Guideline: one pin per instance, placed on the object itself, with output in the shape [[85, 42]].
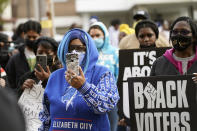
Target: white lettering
[[160, 96], [181, 91], [158, 120], [149, 122], [127, 73], [140, 121], [165, 121], [174, 120], [138, 96], [171, 100], [152, 57], [184, 118]]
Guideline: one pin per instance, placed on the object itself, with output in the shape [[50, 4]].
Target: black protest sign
[[163, 103], [135, 63], [138, 62]]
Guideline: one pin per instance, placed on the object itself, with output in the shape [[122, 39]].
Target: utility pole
[[28, 9], [36, 10]]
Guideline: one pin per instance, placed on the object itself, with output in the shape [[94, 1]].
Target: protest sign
[[162, 103], [134, 63], [31, 104]]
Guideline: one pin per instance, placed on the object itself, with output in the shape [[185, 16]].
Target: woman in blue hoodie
[[79, 102], [108, 57]]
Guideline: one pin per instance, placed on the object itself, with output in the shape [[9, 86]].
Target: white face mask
[[81, 57]]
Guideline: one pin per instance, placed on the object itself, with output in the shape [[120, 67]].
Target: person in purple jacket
[[79, 102], [182, 58]]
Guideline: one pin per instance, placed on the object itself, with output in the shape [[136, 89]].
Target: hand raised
[[75, 80], [42, 74]]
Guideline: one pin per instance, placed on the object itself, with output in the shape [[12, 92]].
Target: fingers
[[48, 70], [195, 74], [73, 79], [40, 68], [28, 83], [194, 78], [71, 72], [38, 74], [81, 72], [122, 122], [42, 74], [69, 77], [2, 82]]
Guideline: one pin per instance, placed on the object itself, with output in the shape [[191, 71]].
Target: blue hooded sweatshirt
[[108, 54], [68, 109]]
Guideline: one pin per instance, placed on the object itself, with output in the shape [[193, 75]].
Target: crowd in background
[[18, 55]]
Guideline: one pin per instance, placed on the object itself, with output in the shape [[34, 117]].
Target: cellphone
[[72, 62], [42, 60]]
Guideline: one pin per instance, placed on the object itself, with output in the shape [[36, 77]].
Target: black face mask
[[147, 46], [181, 42], [53, 63], [4, 57], [31, 44], [49, 60]]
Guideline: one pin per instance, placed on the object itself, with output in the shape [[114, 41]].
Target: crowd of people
[[90, 96]]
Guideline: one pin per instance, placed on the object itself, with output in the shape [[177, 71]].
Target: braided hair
[[145, 24]]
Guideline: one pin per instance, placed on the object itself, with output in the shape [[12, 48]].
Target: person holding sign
[[182, 58], [147, 34], [81, 100]]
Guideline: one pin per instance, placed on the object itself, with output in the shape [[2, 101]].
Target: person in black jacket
[[25, 60], [46, 46]]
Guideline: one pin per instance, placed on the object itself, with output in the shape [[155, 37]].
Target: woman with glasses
[[81, 101], [182, 58]]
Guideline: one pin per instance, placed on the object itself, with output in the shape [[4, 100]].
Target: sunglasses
[[182, 32], [79, 48]]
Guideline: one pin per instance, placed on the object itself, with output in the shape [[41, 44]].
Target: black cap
[[141, 14]]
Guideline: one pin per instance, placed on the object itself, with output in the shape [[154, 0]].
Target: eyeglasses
[[80, 48], [182, 32]]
